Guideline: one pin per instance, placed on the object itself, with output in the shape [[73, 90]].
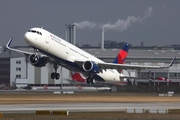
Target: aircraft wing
[[126, 66]]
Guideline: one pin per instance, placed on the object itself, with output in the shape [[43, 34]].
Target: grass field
[[86, 97]]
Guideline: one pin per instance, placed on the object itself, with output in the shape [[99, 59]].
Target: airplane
[[59, 52]]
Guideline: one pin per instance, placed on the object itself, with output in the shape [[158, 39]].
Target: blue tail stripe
[[126, 47], [115, 60]]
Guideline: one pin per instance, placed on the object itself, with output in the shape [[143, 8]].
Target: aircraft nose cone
[[30, 38], [27, 37]]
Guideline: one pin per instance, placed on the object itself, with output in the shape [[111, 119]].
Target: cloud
[[85, 24], [120, 25], [148, 13]]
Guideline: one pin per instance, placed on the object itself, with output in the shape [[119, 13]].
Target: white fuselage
[[57, 48]]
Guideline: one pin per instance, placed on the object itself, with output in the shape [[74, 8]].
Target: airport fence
[[160, 88]]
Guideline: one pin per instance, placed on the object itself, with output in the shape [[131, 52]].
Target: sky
[[155, 22]]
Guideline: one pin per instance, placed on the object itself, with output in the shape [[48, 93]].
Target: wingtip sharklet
[[16, 50], [9, 43]]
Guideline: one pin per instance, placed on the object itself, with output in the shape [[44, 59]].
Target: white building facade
[[21, 69]]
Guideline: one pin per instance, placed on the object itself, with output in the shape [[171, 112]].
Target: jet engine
[[37, 60], [91, 67]]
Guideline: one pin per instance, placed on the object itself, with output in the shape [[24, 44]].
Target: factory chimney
[[70, 33], [102, 39], [66, 32], [74, 34]]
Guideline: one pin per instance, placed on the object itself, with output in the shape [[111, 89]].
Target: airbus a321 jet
[[57, 51]]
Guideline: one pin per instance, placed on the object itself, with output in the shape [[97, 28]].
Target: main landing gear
[[90, 80], [55, 75]]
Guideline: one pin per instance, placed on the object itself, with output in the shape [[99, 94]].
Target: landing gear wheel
[[55, 76], [52, 75], [92, 81], [88, 80]]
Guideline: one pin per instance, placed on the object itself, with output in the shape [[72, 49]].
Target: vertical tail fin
[[120, 59]]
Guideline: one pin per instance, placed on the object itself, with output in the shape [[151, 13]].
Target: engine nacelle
[[91, 67], [37, 60]]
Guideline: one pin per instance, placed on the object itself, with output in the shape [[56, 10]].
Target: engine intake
[[91, 67], [37, 60]]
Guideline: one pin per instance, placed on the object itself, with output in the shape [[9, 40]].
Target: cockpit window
[[34, 31], [39, 33]]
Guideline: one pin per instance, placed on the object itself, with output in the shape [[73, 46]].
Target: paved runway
[[80, 107]]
